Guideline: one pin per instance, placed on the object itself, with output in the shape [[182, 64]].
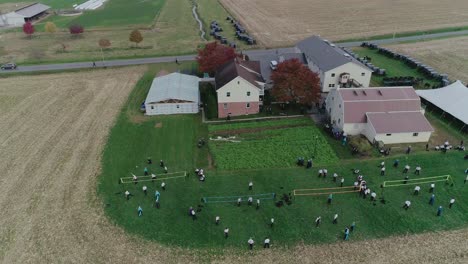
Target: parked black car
[[8, 66]]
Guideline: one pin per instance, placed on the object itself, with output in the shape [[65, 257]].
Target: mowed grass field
[[116, 13], [174, 32], [174, 138], [268, 144], [280, 23], [445, 55], [393, 67]]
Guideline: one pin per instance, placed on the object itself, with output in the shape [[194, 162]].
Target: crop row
[[260, 124]]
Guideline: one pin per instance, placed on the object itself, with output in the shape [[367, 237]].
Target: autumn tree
[[136, 37], [76, 29], [28, 29], [295, 83], [104, 44], [50, 27], [213, 56]]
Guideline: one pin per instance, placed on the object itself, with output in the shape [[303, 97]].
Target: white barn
[[175, 93], [392, 115], [20, 16]]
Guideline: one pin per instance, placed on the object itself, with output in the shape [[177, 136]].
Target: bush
[[362, 145]]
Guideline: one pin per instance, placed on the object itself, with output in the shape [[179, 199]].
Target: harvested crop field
[[280, 23], [448, 55], [53, 129]]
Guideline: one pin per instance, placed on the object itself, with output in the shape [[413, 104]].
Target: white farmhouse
[[389, 114], [175, 93], [239, 88], [335, 67]]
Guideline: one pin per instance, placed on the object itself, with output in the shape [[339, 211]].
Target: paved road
[[251, 53]]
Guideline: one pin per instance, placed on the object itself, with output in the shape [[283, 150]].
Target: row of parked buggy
[[401, 81], [367, 61], [425, 69], [216, 29]]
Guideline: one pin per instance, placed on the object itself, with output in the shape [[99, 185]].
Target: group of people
[[301, 162], [201, 174]]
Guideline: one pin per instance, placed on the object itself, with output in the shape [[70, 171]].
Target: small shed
[[175, 93]]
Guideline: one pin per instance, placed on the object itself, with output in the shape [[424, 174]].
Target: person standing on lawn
[[318, 220]]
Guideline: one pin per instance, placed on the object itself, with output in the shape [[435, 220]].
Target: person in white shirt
[[452, 201], [318, 220], [382, 171], [418, 170], [272, 221], [266, 243], [217, 220], [163, 186], [373, 196], [145, 190], [250, 200], [250, 185], [258, 204], [194, 216], [335, 176], [135, 178], [320, 173], [127, 195], [251, 243], [342, 181], [382, 164], [432, 188], [335, 219], [226, 232], [239, 200], [416, 190], [407, 205], [153, 177], [407, 167], [325, 173]]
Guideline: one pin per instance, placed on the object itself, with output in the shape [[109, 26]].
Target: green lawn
[[392, 66]]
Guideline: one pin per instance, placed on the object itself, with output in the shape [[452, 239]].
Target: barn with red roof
[[389, 114]]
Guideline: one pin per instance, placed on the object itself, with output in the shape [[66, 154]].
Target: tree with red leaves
[[213, 56], [76, 29], [295, 83], [28, 29]]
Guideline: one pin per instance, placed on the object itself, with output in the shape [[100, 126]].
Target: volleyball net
[[159, 177], [326, 191], [433, 179], [234, 198]]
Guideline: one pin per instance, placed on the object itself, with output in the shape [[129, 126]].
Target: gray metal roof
[[32, 10], [325, 55], [265, 60], [176, 86]]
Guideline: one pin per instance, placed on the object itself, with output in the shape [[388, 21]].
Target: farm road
[[251, 53]]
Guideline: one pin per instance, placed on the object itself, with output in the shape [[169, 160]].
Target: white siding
[[335, 108], [354, 128], [397, 138], [171, 108], [11, 19], [238, 89], [353, 69]]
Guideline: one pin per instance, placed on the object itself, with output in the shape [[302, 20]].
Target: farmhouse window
[[331, 85], [152, 107], [339, 105], [228, 94], [363, 74], [339, 120], [238, 82], [388, 135], [248, 93], [415, 134], [178, 106], [332, 75], [225, 106], [247, 105]]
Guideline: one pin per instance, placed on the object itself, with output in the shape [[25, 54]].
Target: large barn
[[391, 115], [20, 16], [175, 93]]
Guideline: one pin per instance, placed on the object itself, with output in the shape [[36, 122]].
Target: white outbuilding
[[175, 93]]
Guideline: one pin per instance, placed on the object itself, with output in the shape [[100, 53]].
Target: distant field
[[175, 32], [268, 144], [445, 55], [279, 23], [52, 3]]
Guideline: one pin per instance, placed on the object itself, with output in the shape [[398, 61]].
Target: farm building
[[336, 68], [390, 115], [20, 16], [239, 88], [175, 93]]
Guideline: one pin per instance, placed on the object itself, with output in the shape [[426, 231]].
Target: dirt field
[[52, 132], [279, 22], [445, 55]]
